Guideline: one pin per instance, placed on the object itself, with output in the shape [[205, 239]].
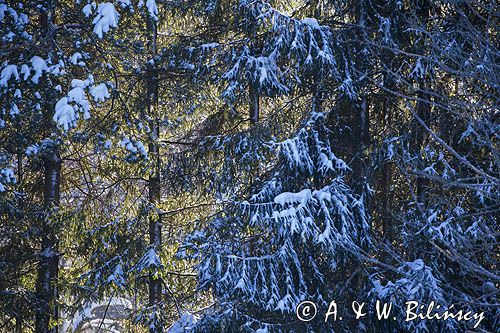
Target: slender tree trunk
[[387, 105], [254, 113], [254, 107], [423, 111], [418, 134], [20, 189], [155, 228], [47, 291], [386, 200], [423, 106], [386, 194], [48, 267], [360, 130], [19, 324], [354, 120], [359, 123], [317, 106], [154, 185]]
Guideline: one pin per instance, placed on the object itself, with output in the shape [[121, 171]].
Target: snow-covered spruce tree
[[291, 241], [46, 86], [291, 230]]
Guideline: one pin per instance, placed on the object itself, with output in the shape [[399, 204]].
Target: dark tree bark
[[423, 106], [254, 113], [48, 266], [47, 291], [387, 102], [254, 105], [354, 119], [154, 186]]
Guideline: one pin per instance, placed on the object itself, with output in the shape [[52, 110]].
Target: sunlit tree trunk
[[154, 187]]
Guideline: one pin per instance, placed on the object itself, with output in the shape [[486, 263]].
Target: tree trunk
[[423, 106], [154, 185], [254, 108], [254, 113], [47, 312], [387, 103], [19, 324], [354, 120], [47, 291], [317, 106]]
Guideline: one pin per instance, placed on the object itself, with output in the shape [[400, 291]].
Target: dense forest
[[215, 165]]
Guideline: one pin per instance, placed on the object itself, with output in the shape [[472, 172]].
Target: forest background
[[217, 162]]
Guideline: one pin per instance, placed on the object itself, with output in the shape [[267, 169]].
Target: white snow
[[88, 314], [100, 92], [7, 72], [117, 276], [65, 115], [88, 9], [127, 144], [25, 70], [75, 58], [20, 19], [418, 70], [78, 96], [141, 149], [208, 46], [14, 110], [7, 177], [133, 147], [290, 198], [39, 66], [184, 324], [31, 150], [312, 22], [152, 9], [106, 18], [416, 265], [80, 83], [3, 9], [149, 260], [266, 71]]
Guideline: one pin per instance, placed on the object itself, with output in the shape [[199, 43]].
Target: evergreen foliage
[[207, 165]]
